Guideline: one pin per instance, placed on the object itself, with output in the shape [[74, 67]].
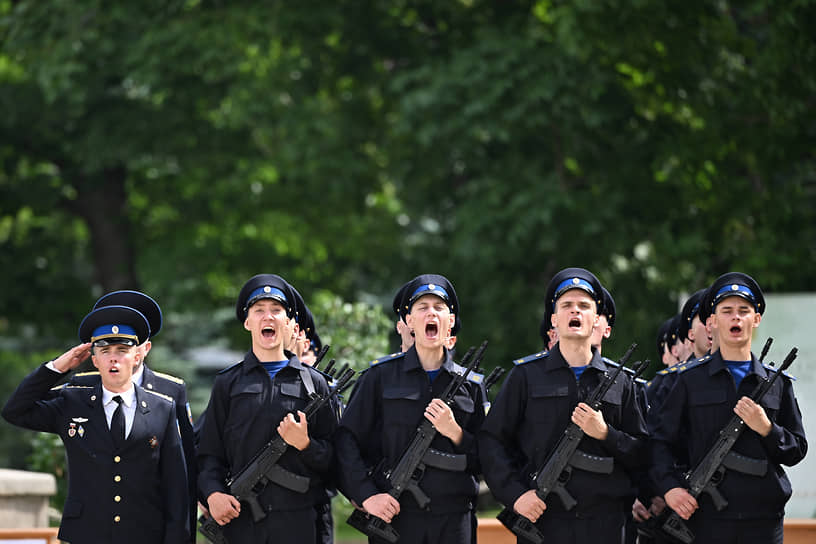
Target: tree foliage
[[181, 147]]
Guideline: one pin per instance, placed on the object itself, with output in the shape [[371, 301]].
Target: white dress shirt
[[129, 406]]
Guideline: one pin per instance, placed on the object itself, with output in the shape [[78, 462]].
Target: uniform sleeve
[[627, 442], [470, 430], [665, 422], [174, 487], [25, 408], [319, 453], [212, 458], [360, 426], [498, 440], [786, 443]]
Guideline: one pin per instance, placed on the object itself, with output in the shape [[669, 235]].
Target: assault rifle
[[320, 355], [710, 471], [492, 378], [407, 473], [557, 469], [251, 480]]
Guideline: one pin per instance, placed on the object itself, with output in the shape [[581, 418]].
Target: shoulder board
[[774, 369], [169, 377], [682, 367], [90, 373], [162, 395], [613, 364], [387, 358], [59, 387], [640, 381], [533, 357], [69, 386], [229, 367]]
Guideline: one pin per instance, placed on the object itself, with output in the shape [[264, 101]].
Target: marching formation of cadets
[[139, 471]]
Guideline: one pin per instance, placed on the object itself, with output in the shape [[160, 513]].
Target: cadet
[[388, 405], [143, 376], [250, 401], [539, 398], [705, 396], [692, 329], [126, 476]]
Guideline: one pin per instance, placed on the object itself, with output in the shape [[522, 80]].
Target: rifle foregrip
[[373, 526], [211, 530], [520, 526]]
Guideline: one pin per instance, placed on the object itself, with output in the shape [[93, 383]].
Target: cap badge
[[735, 287], [575, 281], [267, 289], [431, 286], [115, 329]]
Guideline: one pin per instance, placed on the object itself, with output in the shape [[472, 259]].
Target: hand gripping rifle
[[407, 473], [557, 469], [251, 480], [709, 472]]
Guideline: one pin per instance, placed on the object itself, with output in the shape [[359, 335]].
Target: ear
[[147, 345], [409, 320], [757, 319], [93, 360], [607, 332], [246, 323]]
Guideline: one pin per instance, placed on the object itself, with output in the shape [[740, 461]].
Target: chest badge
[[154, 442], [72, 429]]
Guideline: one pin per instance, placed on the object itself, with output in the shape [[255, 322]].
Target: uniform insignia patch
[[533, 357], [154, 442]]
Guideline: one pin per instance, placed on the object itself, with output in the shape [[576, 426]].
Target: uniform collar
[[139, 376], [251, 362], [412, 361], [555, 360], [717, 364], [129, 396]]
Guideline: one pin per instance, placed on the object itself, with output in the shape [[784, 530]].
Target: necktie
[[118, 423]]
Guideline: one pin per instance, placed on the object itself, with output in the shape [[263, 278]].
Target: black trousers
[[606, 528], [324, 524], [290, 527], [709, 530], [428, 528]]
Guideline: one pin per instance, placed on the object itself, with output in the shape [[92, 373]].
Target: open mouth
[[431, 330], [268, 332], [114, 370], [735, 330], [574, 322]]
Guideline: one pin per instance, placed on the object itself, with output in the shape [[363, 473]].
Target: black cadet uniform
[[246, 405], [380, 421], [134, 493], [529, 416], [158, 382], [698, 406]]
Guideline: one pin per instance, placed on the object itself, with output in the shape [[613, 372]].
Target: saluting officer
[[706, 394], [390, 401], [126, 474], [151, 380], [250, 402], [536, 403]]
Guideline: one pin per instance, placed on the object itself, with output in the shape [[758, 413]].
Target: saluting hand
[[294, 432], [441, 415], [591, 421], [530, 505], [73, 357], [753, 415]]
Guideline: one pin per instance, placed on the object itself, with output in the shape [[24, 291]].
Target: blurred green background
[[179, 147]]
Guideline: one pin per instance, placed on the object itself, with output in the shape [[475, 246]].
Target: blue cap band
[[267, 291], [430, 289], [573, 283], [115, 331], [735, 289], [694, 311]]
